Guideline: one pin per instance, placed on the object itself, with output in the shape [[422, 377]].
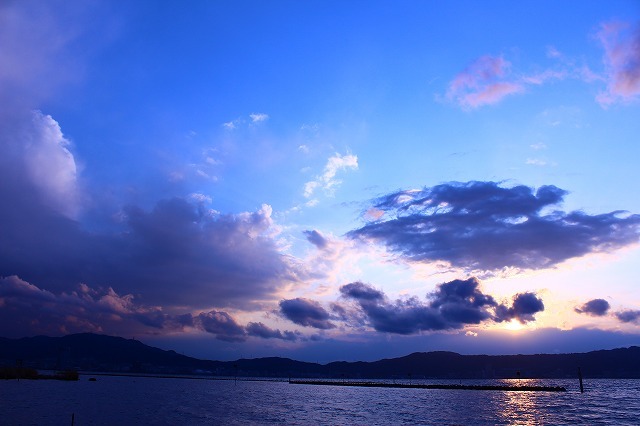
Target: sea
[[111, 400]]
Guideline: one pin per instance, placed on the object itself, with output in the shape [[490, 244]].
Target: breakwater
[[431, 386]]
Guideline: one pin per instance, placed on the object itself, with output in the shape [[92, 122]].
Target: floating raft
[[434, 386]]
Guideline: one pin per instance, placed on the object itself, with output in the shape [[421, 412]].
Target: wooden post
[[580, 378], [73, 418]]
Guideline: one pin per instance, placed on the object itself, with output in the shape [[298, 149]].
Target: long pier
[[432, 386]]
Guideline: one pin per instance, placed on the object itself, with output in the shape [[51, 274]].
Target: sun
[[514, 325]]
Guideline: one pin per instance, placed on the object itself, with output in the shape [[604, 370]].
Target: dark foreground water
[[129, 400]]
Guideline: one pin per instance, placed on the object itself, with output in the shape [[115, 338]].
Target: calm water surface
[[139, 400]]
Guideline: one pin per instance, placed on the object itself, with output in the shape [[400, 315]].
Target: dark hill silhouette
[[93, 352]]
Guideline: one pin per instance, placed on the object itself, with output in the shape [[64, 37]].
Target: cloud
[[621, 43], [222, 325], [452, 305], [482, 83], [481, 226], [35, 157], [628, 316], [26, 309], [305, 312], [536, 162], [258, 329], [316, 238], [327, 180], [177, 254], [38, 42], [595, 308], [523, 309], [258, 117], [362, 292]]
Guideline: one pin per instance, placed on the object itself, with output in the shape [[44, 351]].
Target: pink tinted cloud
[[26, 309], [483, 83], [621, 43]]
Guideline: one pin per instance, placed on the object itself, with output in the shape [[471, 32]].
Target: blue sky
[[322, 180]]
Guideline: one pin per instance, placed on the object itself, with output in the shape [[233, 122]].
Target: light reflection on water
[[126, 400]]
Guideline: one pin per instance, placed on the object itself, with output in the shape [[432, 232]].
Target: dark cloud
[[451, 306], [175, 254], [523, 309], [26, 310], [361, 291], [461, 302], [258, 329], [316, 238], [595, 308], [222, 325], [305, 312], [628, 316], [483, 226]]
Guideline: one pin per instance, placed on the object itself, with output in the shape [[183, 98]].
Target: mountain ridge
[[97, 352]]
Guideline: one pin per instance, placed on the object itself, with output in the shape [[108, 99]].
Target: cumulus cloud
[[595, 308], [482, 226], [523, 309], [483, 83], [26, 309], [452, 305], [178, 254], [305, 312], [621, 43], [628, 316], [327, 180], [222, 325], [35, 158]]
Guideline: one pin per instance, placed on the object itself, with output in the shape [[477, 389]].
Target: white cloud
[[258, 117], [201, 198], [327, 180], [48, 163], [536, 162], [538, 146]]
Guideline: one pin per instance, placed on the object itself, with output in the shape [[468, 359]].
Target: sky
[[322, 180]]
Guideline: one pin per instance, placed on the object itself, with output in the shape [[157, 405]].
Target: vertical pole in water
[[580, 378], [73, 418]]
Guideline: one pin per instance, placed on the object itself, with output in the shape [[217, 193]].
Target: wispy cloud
[[621, 43], [327, 180], [482, 83], [258, 117]]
